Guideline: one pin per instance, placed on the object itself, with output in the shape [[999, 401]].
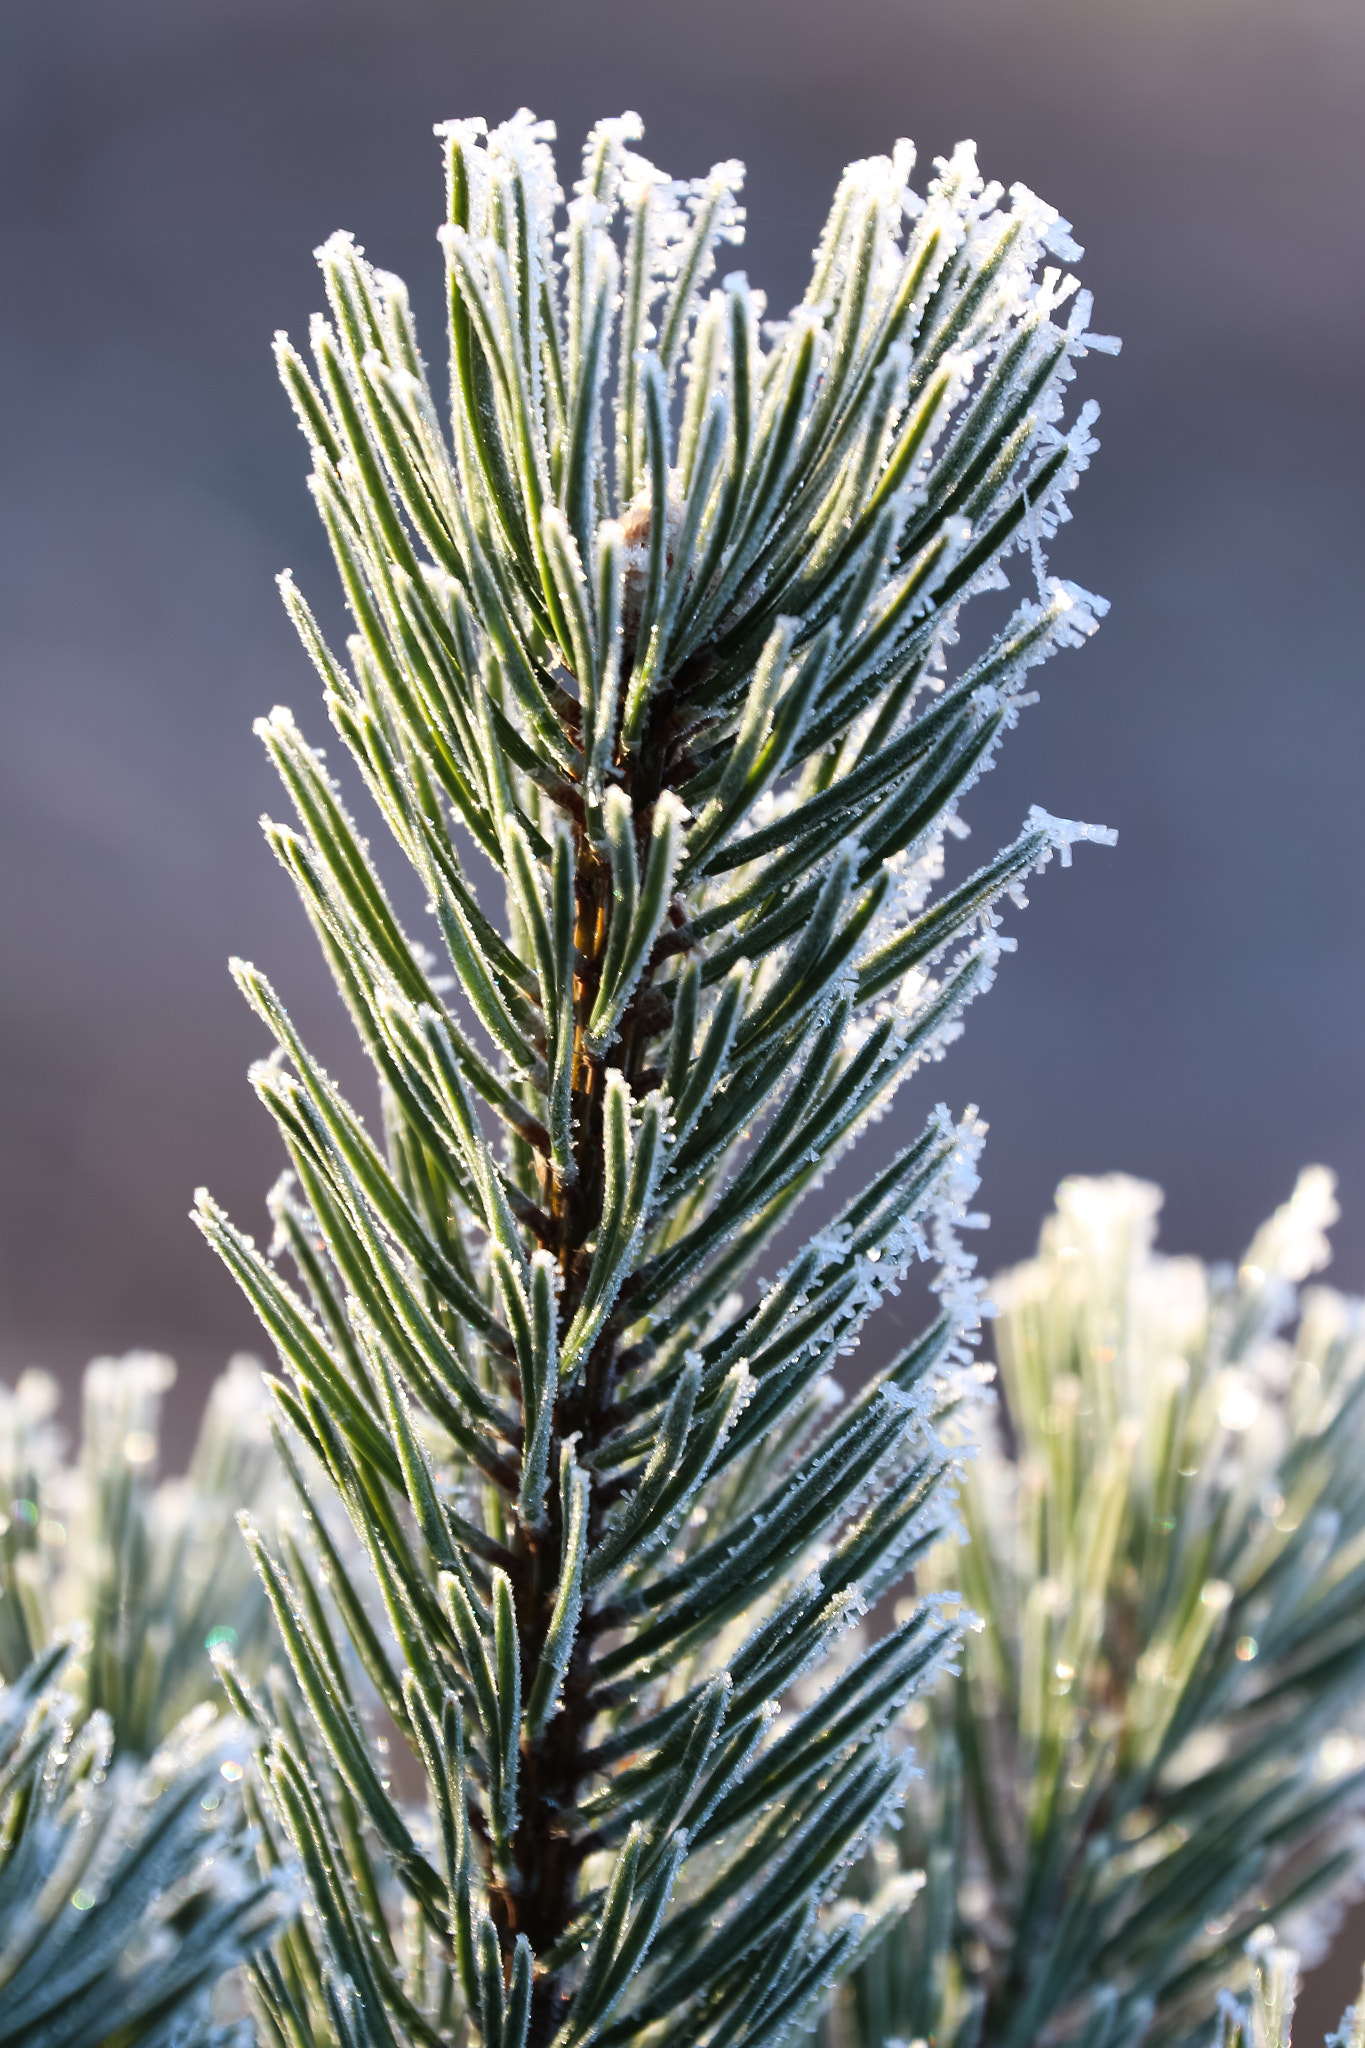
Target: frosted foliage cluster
[[128, 1887], [654, 678], [1156, 1743], [100, 1545], [124, 1896]]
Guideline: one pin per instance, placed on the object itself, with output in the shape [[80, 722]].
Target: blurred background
[[1188, 1007]]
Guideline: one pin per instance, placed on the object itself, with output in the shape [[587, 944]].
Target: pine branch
[[655, 638], [1154, 1745], [123, 1894], [141, 1565], [126, 1891]]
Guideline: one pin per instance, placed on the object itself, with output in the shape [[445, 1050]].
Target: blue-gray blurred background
[[1188, 1007]]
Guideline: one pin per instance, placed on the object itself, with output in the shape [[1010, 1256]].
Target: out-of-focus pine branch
[[1157, 1741], [127, 1888]]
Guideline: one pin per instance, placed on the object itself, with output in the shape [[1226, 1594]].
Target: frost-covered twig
[[657, 628]]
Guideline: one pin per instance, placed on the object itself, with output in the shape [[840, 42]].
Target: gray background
[[1187, 1007]]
